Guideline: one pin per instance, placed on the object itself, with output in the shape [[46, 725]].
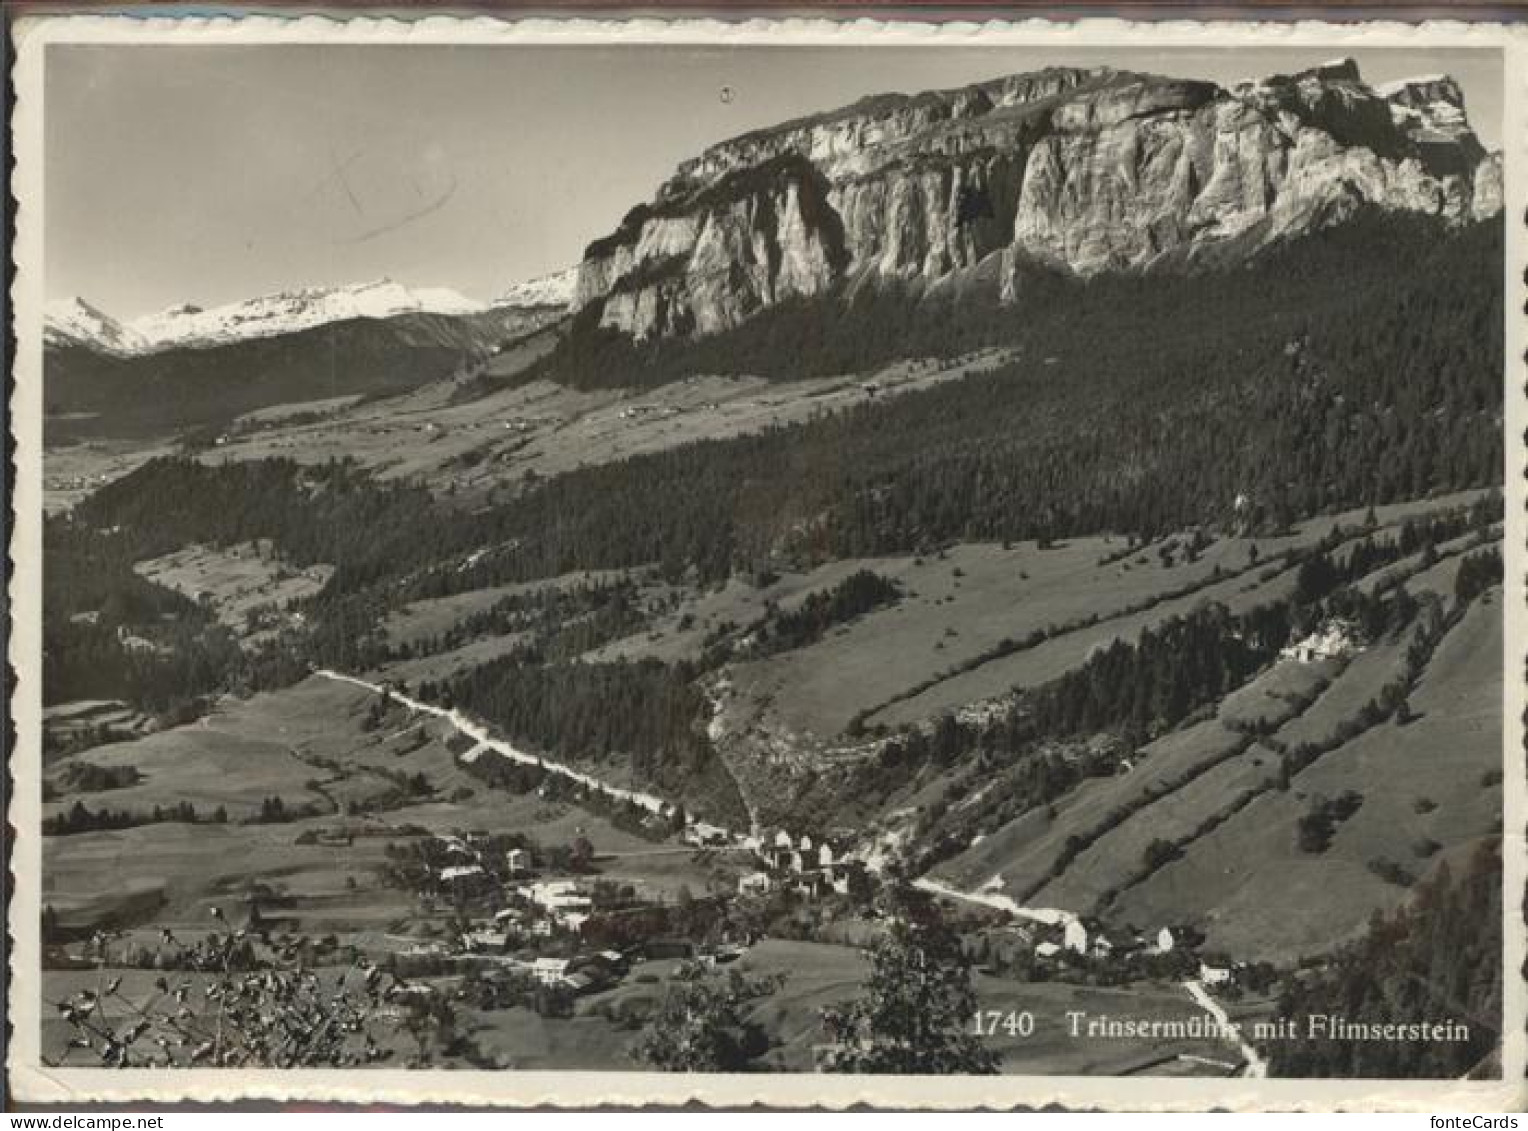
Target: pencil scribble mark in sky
[[417, 214], [339, 173], [337, 176]]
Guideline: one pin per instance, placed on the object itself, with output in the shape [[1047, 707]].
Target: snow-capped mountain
[[74, 322], [546, 290], [301, 309]]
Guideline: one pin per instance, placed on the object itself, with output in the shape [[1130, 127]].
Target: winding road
[[1255, 1066], [485, 742]]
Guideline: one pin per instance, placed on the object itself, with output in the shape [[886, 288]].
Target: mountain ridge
[[76, 322], [186, 325], [1080, 170], [93, 392]]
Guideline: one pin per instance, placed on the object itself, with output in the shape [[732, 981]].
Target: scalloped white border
[[33, 1083]]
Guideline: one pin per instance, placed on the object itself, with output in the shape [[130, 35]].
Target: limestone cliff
[[1083, 170]]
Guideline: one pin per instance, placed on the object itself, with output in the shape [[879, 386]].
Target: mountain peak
[[74, 321], [555, 289], [1335, 70]]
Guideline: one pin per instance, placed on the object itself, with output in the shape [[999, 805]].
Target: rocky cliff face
[[1083, 170]]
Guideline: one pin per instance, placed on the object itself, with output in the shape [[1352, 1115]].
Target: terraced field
[[928, 653], [1428, 788], [1432, 782]]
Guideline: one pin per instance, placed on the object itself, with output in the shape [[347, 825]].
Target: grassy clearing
[[1084, 587], [208, 765], [1240, 873], [311, 732], [442, 665], [199, 866], [236, 581], [1439, 578], [422, 620], [681, 634], [280, 413], [1053, 658]]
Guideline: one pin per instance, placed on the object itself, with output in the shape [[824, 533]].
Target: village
[[545, 926], [497, 903]]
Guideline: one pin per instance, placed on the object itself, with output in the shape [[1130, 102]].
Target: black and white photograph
[[736, 557]]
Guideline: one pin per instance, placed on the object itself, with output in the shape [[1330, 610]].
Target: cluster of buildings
[[1091, 939], [580, 974], [1337, 638], [563, 903], [810, 869]]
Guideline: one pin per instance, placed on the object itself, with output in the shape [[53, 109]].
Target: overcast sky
[[212, 174]]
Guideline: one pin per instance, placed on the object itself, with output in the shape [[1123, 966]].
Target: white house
[[1213, 975], [1165, 941], [517, 861], [1047, 950], [457, 849], [563, 900], [825, 856], [755, 883], [1332, 640], [702, 835], [1075, 936], [485, 938], [550, 971]]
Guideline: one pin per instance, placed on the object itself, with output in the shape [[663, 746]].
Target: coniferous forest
[[1438, 957]]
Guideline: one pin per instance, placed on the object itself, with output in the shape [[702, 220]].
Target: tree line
[[1436, 958]]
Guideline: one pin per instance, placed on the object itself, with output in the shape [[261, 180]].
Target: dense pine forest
[[647, 715]]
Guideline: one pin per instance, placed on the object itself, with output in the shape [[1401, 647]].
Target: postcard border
[[32, 1082]]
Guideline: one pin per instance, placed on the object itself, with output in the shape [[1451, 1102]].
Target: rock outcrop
[[1086, 171]]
